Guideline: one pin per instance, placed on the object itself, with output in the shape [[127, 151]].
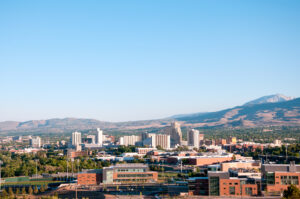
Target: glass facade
[[214, 186]]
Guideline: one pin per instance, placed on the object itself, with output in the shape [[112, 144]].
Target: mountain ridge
[[252, 115]]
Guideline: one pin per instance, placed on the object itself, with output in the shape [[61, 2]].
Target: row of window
[[134, 175]]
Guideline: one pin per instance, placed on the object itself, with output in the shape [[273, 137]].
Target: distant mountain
[[187, 115], [270, 99], [275, 110], [72, 124], [250, 115]]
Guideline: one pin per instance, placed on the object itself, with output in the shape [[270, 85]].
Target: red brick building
[[234, 187], [89, 178]]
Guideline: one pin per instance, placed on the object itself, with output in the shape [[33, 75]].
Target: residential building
[[163, 140]]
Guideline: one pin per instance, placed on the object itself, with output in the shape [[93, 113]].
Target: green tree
[[30, 191], [36, 190], [10, 191], [42, 189], [4, 193], [17, 191], [23, 190], [291, 193], [46, 187]]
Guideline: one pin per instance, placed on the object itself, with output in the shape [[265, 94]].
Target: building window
[[248, 191], [288, 180], [232, 190]]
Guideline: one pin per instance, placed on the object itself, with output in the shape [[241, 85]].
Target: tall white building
[[35, 142], [76, 138], [99, 136], [193, 138], [129, 140], [163, 140]]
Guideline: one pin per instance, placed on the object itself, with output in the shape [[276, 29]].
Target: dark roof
[[280, 168]]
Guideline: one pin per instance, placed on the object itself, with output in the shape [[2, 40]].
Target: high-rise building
[[129, 140], [149, 139], [193, 138], [76, 138], [91, 139], [175, 133], [163, 140], [99, 136], [35, 142]]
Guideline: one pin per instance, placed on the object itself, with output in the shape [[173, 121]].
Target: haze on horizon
[[136, 60]]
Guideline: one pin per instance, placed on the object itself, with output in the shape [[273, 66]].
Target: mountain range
[[273, 110]]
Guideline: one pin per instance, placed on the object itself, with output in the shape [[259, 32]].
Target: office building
[[99, 137], [193, 138], [118, 174], [35, 142], [129, 140], [76, 138], [277, 177], [91, 139]]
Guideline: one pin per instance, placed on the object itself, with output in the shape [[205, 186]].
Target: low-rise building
[[118, 174], [277, 177]]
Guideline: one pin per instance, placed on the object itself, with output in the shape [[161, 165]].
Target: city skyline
[[143, 60]]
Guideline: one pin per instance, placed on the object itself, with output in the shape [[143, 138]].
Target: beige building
[[163, 140], [129, 140], [175, 133]]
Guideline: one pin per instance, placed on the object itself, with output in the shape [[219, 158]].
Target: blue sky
[[135, 60]]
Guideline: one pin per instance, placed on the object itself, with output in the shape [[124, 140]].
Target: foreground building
[[118, 174], [219, 183], [277, 177]]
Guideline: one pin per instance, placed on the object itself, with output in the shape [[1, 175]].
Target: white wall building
[[99, 137], [35, 142], [76, 138], [129, 140], [193, 138]]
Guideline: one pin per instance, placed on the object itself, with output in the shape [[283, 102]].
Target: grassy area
[[163, 176], [29, 183]]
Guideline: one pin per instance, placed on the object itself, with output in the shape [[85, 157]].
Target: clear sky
[[134, 60]]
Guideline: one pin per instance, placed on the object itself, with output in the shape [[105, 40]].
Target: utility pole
[[77, 177], [286, 154], [67, 170], [72, 160], [36, 171]]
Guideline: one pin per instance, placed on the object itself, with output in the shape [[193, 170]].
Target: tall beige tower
[[175, 133]]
